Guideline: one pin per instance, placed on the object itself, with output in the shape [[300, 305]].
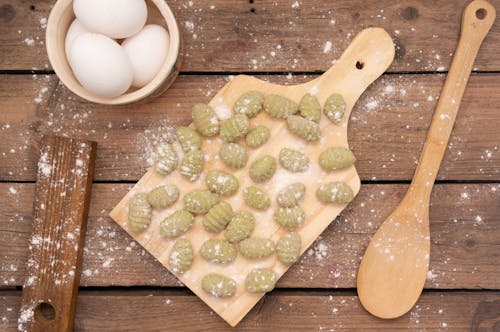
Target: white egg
[[100, 65], [147, 51], [113, 18], [75, 29]]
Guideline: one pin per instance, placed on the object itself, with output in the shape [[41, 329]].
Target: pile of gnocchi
[[218, 216]]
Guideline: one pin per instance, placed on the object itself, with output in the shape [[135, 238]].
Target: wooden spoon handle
[[477, 19]]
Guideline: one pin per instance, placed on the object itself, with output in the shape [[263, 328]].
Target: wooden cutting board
[[366, 58]]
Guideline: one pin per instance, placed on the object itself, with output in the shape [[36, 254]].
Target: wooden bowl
[[159, 12]]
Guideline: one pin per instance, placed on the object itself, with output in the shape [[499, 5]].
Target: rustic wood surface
[[387, 131], [60, 213]]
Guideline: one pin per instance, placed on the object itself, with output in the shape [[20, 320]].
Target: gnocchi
[[205, 120], [181, 256], [188, 139], [176, 224], [249, 104], [234, 128], [290, 218], [334, 107], [139, 213], [163, 196], [221, 182], [310, 108], [258, 136], [218, 217], [218, 285], [291, 194], [218, 251], [293, 160], [303, 128], [280, 107], [192, 165], [263, 169], [260, 280], [233, 155], [288, 248], [240, 227], [200, 201], [256, 247], [166, 159], [256, 198], [336, 158], [335, 192]]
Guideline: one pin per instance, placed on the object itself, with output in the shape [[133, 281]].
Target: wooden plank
[[278, 311], [465, 228], [372, 46], [387, 128], [60, 212], [223, 35]]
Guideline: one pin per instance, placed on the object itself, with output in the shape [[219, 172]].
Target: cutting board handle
[[368, 56]]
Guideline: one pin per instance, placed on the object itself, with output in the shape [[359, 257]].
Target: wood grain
[[387, 127], [465, 228], [279, 311], [60, 212], [225, 35]]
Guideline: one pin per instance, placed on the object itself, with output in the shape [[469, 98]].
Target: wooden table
[[124, 288]]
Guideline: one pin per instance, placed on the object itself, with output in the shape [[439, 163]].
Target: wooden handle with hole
[[477, 19], [60, 211]]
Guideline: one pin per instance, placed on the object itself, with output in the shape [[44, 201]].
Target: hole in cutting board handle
[[481, 13], [359, 65], [46, 311]]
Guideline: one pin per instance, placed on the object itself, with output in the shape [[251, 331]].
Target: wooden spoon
[[394, 268]]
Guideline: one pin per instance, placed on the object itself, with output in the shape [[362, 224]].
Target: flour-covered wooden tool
[[366, 58]]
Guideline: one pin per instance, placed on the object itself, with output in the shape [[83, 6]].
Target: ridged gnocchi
[[303, 128], [334, 107], [240, 227], [188, 139], [234, 128], [288, 248], [139, 213], [335, 192], [290, 218], [310, 108], [163, 196], [218, 285], [293, 160], [200, 201], [260, 280], [250, 103], [233, 155], [205, 120], [256, 247], [291, 194], [263, 169], [258, 136], [336, 158], [218, 251], [181, 256], [192, 165], [166, 159], [256, 198], [280, 107], [176, 223], [218, 217], [221, 182]]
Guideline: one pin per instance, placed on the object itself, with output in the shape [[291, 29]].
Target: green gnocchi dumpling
[[288, 248], [310, 108], [166, 159], [263, 169], [303, 128], [260, 280], [176, 224], [233, 155], [293, 160], [241, 226], [234, 128], [218, 217], [249, 104], [200, 201], [291, 194], [256, 247], [163, 196], [335, 192], [181, 256], [280, 107], [334, 107], [290, 218], [192, 165], [218, 285], [221, 182], [205, 120], [218, 251], [336, 158], [188, 139], [256, 198], [139, 213], [258, 136]]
